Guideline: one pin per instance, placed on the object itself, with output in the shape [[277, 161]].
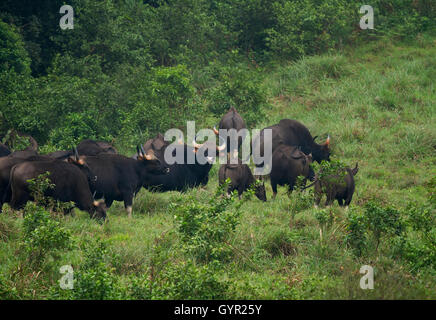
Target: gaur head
[[99, 210], [80, 162], [152, 163], [355, 169], [321, 151], [307, 168], [259, 190], [210, 145]]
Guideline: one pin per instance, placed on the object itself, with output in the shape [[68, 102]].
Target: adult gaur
[[338, 186], [87, 147], [7, 163], [120, 178], [288, 163], [241, 179], [293, 133], [232, 120], [70, 184], [181, 176], [90, 147], [157, 145]]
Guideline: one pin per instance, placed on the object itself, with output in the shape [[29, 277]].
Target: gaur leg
[[128, 200], [341, 202], [240, 191], [318, 196], [274, 188], [19, 199], [348, 200], [108, 202], [330, 199]]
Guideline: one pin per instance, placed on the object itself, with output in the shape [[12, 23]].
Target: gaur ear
[[78, 161], [355, 170]]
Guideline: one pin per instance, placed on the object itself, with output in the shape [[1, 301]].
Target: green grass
[[377, 103]]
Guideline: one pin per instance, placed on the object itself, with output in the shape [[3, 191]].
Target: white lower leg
[[129, 211]]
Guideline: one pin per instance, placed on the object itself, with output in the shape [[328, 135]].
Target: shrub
[[305, 27], [205, 227], [239, 88], [382, 221], [94, 278], [356, 235], [42, 235]]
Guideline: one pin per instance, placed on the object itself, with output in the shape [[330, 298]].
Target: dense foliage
[[132, 68]]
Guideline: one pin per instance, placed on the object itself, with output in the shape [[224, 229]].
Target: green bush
[[240, 88], [356, 234], [305, 27], [13, 55], [94, 278], [43, 236], [205, 228], [383, 221]]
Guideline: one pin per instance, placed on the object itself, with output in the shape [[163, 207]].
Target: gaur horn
[[215, 131], [76, 154], [138, 151], [196, 145], [142, 151], [223, 146], [327, 142]]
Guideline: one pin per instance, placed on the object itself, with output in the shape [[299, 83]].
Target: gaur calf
[[288, 163], [241, 179], [337, 186]]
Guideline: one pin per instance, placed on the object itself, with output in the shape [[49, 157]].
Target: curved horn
[[223, 146], [327, 142], [142, 151], [215, 130], [76, 153], [196, 145]]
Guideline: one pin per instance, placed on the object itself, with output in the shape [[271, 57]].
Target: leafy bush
[[13, 54], [42, 235], [382, 221], [94, 278], [305, 27], [239, 88], [205, 227], [356, 234]]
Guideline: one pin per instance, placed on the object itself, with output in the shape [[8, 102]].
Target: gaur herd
[[94, 170]]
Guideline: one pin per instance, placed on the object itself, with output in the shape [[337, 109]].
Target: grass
[[377, 103]]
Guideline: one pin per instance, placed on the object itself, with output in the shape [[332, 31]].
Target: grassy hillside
[[377, 102]]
